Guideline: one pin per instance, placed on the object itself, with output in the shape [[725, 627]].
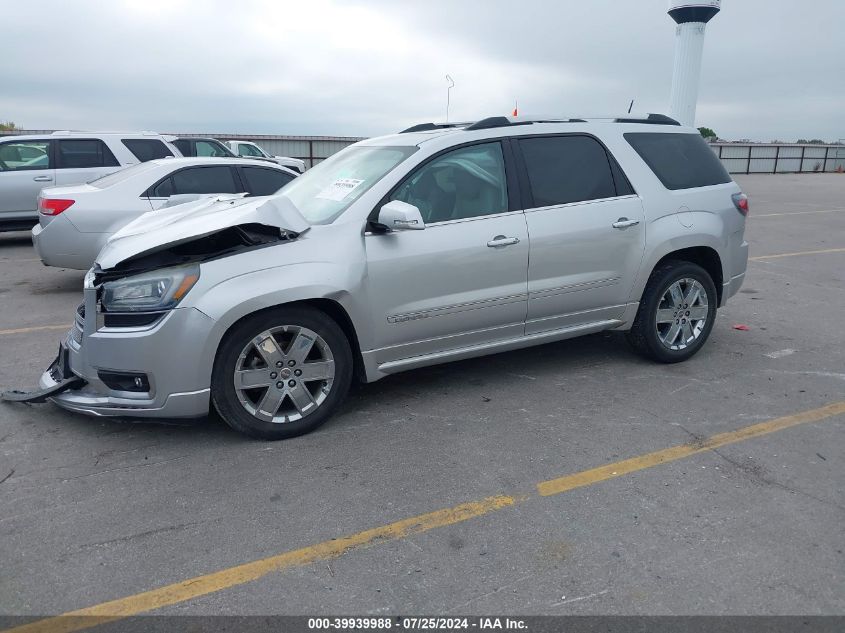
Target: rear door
[[83, 160], [26, 167], [586, 228]]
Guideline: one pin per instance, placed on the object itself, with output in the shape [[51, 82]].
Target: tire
[[663, 329], [292, 383]]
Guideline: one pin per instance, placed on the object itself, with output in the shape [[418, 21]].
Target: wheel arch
[[703, 249], [704, 256], [330, 307]]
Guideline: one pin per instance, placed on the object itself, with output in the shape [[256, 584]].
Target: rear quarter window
[[145, 149], [680, 161]]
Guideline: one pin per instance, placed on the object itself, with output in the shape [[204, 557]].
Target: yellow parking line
[[611, 471], [36, 328], [779, 255], [248, 572]]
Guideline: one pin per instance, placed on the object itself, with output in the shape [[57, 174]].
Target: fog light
[[125, 381]]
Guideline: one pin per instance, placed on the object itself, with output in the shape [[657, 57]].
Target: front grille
[[78, 325]]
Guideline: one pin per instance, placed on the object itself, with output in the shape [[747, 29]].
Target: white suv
[[28, 163]]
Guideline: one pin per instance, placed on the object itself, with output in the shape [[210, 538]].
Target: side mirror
[[400, 216]]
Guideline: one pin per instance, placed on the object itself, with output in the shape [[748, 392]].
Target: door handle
[[43, 179], [501, 240], [623, 223]]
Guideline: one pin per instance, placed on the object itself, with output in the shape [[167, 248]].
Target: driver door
[[462, 281]]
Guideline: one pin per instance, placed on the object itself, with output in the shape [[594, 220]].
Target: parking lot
[[466, 488]]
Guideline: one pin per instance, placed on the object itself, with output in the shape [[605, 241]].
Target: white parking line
[[774, 215], [780, 353]]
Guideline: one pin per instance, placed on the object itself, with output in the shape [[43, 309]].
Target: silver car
[[75, 221], [436, 244], [29, 163]]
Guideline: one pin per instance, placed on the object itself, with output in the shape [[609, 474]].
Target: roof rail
[[425, 127], [655, 119], [509, 121], [136, 133]]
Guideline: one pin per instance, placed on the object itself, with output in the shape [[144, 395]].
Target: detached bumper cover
[[172, 353], [62, 380], [87, 400]]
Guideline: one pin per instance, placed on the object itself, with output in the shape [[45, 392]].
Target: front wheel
[[281, 373], [676, 313]]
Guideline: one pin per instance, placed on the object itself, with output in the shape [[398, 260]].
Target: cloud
[[771, 69]]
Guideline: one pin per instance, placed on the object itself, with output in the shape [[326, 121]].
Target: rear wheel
[[676, 313], [283, 373]]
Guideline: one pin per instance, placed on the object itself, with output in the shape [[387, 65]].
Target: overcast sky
[[773, 69]]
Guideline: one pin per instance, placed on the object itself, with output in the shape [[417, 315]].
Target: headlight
[[158, 290]]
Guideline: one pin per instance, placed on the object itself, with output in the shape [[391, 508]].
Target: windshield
[[326, 190], [122, 174]]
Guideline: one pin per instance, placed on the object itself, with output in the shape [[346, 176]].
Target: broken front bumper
[[90, 400]]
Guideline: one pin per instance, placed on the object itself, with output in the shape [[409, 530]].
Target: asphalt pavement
[[94, 510]]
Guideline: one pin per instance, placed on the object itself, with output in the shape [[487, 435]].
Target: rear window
[[145, 149], [184, 146], [122, 174], [680, 161]]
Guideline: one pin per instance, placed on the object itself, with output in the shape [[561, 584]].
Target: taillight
[[740, 202], [52, 206]]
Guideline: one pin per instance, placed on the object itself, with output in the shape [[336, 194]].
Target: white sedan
[[76, 221]]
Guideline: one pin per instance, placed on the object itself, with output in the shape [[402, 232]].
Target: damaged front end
[[128, 352]]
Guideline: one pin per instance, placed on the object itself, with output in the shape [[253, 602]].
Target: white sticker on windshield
[[339, 189]]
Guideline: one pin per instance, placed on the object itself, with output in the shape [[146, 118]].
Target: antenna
[[630, 106], [448, 90]]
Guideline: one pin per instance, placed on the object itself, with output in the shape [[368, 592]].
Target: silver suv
[[440, 243], [28, 163]]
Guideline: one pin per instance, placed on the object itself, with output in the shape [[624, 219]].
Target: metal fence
[[738, 158], [784, 158], [311, 149]]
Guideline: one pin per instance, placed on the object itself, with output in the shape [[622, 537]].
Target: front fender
[[238, 297]]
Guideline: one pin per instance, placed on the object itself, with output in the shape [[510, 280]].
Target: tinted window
[[184, 147], [146, 149], [80, 153], [164, 189], [563, 169], [464, 183], [623, 185], [24, 155], [680, 161], [216, 179], [263, 182]]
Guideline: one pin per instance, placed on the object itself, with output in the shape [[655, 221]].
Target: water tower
[[691, 19]]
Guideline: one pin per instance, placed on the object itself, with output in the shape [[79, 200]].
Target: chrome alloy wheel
[[681, 314], [284, 374]]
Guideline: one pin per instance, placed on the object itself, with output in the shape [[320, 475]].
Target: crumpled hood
[[169, 226]]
